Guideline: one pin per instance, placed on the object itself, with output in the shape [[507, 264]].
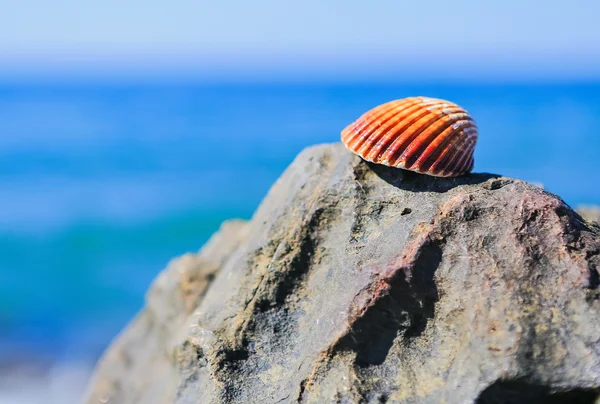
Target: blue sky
[[467, 39]]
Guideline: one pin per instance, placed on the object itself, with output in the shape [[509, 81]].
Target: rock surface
[[362, 283]]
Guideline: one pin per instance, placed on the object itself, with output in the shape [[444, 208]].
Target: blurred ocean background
[[128, 133]]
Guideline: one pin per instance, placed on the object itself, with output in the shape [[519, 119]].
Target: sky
[[468, 39]]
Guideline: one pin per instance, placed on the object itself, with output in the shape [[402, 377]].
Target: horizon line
[[488, 66], [70, 77]]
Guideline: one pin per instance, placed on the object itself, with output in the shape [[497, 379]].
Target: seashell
[[421, 134]]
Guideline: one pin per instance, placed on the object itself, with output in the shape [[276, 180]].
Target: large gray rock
[[362, 283]]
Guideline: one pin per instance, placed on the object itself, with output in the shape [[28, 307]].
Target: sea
[[101, 184]]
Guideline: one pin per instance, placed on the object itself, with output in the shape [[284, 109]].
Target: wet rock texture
[[358, 283]]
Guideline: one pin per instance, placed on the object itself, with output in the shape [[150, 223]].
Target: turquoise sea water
[[100, 185]]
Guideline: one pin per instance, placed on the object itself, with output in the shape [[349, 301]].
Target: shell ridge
[[452, 164], [469, 153], [414, 151], [438, 145], [384, 129], [369, 123], [399, 147], [350, 131], [416, 148], [395, 131], [399, 131], [471, 164], [464, 158], [444, 162], [369, 115]]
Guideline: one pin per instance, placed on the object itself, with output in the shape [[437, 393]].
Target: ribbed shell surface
[[421, 134]]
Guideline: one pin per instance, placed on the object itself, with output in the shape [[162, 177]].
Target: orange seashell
[[421, 134]]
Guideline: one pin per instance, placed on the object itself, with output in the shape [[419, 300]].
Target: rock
[[590, 213], [139, 365], [361, 283]]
